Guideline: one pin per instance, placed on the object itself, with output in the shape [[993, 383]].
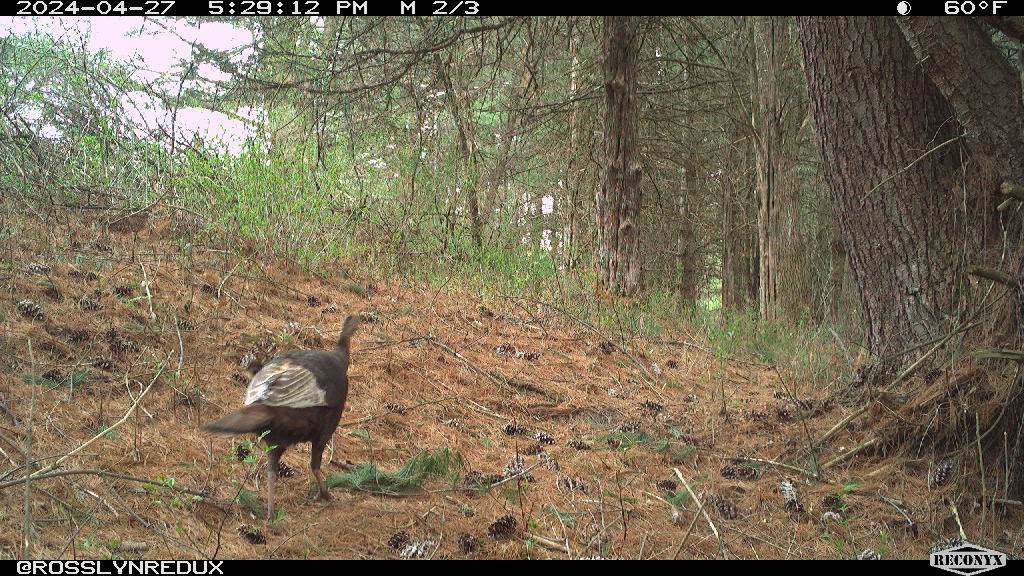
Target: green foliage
[[345, 164], [625, 440], [250, 501], [809, 351], [72, 381], [674, 450], [443, 463], [178, 500], [566, 518], [678, 499], [111, 435], [54, 86], [839, 544], [361, 433]]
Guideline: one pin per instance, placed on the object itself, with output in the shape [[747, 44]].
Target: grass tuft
[[444, 463]]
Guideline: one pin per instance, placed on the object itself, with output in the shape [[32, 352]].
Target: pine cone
[[503, 527], [398, 540]]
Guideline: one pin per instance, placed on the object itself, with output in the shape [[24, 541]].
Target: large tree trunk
[[916, 213], [983, 87], [779, 113], [618, 257], [897, 206]]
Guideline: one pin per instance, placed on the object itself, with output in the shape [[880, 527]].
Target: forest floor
[[612, 433]]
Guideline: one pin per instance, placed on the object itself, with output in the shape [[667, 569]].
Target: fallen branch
[[956, 517], [992, 274], [16, 446], [102, 473], [721, 543], [844, 457], [689, 530], [149, 295], [502, 382], [896, 505], [1012, 190], [999, 353], [548, 543], [842, 423], [91, 441]]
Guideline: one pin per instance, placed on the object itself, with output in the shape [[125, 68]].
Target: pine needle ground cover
[[452, 445]]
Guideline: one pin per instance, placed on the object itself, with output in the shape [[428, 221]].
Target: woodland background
[[750, 251]]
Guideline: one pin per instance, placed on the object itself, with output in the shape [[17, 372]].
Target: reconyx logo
[[968, 559]]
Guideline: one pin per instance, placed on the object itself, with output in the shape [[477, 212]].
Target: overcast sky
[[154, 49]]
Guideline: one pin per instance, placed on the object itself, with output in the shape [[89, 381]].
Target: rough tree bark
[[983, 87], [778, 114], [912, 159], [892, 161], [618, 257]]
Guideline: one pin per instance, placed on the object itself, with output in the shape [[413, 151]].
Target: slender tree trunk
[[740, 261], [467, 149], [779, 112], [619, 262], [519, 96], [739, 235], [687, 265], [572, 208]]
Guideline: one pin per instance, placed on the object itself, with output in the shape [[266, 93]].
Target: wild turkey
[[296, 397]]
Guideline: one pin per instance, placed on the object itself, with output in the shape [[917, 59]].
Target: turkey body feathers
[[300, 379], [296, 397], [250, 419]]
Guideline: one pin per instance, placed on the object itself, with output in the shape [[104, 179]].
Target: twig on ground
[[721, 543], [149, 295], [846, 456], [127, 414], [956, 518], [501, 382], [548, 543], [96, 472]]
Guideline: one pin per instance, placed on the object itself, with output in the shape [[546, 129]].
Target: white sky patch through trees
[[156, 51]]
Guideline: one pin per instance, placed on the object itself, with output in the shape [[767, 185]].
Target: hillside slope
[[605, 430]]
